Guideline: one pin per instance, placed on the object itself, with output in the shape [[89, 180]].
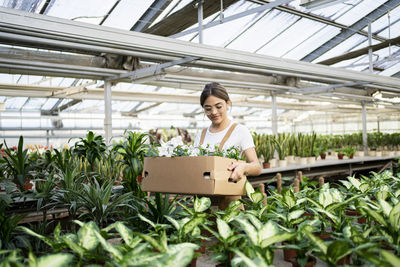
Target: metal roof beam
[[36, 30], [346, 33], [150, 15]]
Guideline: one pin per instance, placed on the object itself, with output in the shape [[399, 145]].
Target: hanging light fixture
[[317, 4]]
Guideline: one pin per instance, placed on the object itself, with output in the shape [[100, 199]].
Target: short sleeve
[[246, 138]]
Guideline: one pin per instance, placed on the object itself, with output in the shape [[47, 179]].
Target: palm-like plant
[[92, 147], [133, 151], [17, 165]]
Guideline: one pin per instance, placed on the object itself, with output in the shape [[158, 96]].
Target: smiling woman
[[225, 133]]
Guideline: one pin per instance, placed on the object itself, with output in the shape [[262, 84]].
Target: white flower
[[176, 141], [194, 152]]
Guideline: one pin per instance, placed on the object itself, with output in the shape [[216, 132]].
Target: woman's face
[[216, 109]]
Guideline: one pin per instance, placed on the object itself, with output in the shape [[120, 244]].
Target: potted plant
[[300, 145], [281, 143], [348, 151]]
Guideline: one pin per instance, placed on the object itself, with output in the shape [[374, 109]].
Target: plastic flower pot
[[340, 156], [323, 156]]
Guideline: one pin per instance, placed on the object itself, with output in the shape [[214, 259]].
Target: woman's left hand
[[238, 169]]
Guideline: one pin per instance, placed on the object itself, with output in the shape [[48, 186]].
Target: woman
[[225, 133]]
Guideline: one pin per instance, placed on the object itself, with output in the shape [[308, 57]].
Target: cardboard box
[[206, 175]]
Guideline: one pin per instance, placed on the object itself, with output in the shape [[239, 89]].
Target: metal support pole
[[370, 48], [200, 19], [364, 128], [274, 115], [107, 111]]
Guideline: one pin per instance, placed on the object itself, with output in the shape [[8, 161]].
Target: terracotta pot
[[344, 260], [289, 254], [352, 156], [323, 236], [266, 165], [193, 263], [340, 156], [310, 263], [323, 156]]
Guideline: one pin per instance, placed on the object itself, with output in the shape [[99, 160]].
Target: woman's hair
[[214, 89]]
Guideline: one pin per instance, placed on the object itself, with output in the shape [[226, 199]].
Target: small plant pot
[[398, 153], [344, 260], [392, 153], [310, 160], [323, 156], [266, 165], [282, 163], [378, 154], [351, 156], [301, 161], [340, 156], [289, 254], [311, 261], [273, 163], [290, 159], [359, 154]]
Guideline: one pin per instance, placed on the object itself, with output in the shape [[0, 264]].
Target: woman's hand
[[238, 170]]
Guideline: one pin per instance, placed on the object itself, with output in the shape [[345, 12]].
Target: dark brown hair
[[214, 89]]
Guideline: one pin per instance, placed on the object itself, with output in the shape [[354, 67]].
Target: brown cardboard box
[[206, 175]]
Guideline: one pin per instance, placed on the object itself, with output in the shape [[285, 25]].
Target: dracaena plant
[[91, 148], [99, 202], [17, 164], [133, 150]]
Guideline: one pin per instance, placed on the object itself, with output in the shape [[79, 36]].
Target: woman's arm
[[252, 167]]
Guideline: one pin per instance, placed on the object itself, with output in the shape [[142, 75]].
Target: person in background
[[225, 133]]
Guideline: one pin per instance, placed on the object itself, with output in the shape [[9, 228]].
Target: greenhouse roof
[[52, 77]]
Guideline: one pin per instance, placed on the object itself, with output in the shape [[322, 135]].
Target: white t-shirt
[[240, 137]]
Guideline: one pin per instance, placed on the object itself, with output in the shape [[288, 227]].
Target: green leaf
[[249, 189], [295, 214], [390, 258], [376, 216], [276, 239], [317, 241], [154, 243], [223, 229], [173, 222], [386, 207], [249, 229], [256, 222], [73, 246], [247, 261], [55, 260], [146, 220], [267, 230], [47, 240], [126, 234], [191, 224], [179, 258], [201, 204], [87, 236], [256, 197], [356, 183], [394, 216], [337, 250], [107, 246]]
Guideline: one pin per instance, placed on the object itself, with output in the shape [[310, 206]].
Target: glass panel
[[359, 11], [317, 39], [127, 13], [382, 23], [15, 102], [277, 22], [342, 47], [34, 103], [288, 40], [87, 11]]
